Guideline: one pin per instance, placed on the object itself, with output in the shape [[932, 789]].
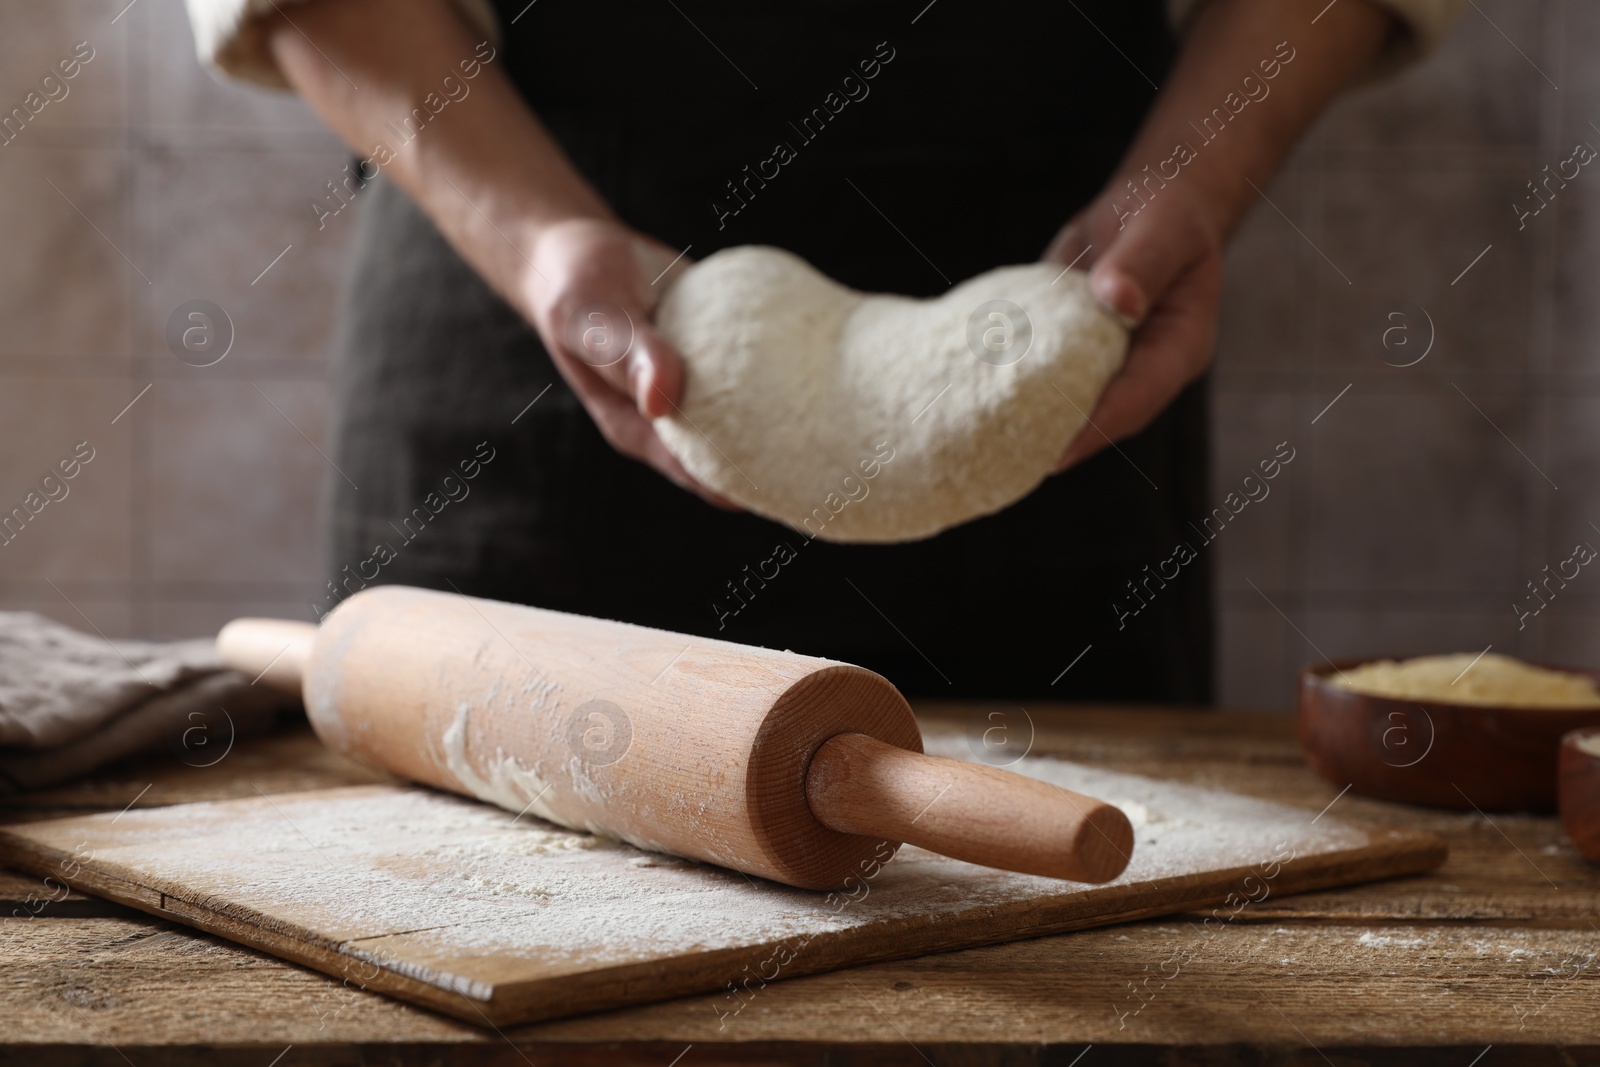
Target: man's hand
[[1160, 273], [1269, 67], [592, 289], [505, 196]]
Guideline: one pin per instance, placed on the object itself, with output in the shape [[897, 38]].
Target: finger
[[1133, 272], [655, 375], [623, 350], [1171, 350], [603, 336], [1070, 245]]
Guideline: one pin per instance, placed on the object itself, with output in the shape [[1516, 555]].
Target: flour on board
[[411, 877]]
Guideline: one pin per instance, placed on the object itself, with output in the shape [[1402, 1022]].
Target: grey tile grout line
[[1538, 511]]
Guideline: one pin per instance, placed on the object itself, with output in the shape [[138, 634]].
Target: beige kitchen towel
[[71, 702]]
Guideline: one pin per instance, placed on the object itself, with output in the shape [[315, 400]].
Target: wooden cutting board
[[496, 919]]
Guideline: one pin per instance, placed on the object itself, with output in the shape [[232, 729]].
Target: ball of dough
[[865, 417]]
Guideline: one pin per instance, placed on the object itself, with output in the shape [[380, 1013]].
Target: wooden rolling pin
[[776, 764]]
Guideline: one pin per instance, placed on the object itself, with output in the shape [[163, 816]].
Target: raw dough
[[1492, 680], [863, 417]]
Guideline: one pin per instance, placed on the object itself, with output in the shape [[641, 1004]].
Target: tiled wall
[[1427, 496], [201, 500], [1416, 508]]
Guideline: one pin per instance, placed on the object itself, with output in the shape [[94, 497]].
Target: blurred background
[[1417, 508]]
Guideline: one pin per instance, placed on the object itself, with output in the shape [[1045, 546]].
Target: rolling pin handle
[[272, 652], [859, 785]]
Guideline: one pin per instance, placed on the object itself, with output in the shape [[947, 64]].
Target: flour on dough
[[864, 417]]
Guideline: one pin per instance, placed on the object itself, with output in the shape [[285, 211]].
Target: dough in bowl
[[864, 417]]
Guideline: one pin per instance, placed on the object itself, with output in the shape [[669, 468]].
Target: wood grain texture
[[857, 784], [688, 745], [696, 747], [270, 652], [456, 906], [150, 988], [1507, 915]]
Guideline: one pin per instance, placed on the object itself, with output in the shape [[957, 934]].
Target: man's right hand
[[592, 288], [505, 196]]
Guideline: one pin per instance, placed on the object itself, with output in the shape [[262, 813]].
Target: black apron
[[914, 149]]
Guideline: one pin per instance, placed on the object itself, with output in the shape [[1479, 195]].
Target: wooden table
[[1500, 947]]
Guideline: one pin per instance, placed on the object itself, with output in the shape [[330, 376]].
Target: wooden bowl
[[1433, 752], [1580, 790]]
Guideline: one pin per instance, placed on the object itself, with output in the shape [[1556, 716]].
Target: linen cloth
[[71, 702]]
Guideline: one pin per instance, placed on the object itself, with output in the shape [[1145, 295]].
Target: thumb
[[625, 351], [655, 374], [604, 336], [1139, 267], [1069, 245]]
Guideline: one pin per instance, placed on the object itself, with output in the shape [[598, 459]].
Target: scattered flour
[[1372, 940], [446, 890], [510, 784]]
